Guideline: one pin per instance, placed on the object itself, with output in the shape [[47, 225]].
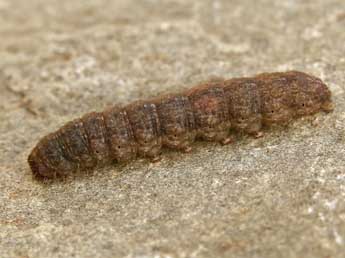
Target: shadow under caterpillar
[[207, 111]]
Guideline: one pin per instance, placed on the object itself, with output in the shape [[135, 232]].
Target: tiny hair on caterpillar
[[209, 111]]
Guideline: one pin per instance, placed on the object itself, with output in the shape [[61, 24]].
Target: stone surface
[[278, 196]]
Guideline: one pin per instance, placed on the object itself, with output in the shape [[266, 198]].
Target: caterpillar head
[[311, 96]]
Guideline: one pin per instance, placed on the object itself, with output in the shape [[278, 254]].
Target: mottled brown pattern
[[145, 125], [177, 122], [211, 112], [244, 105], [207, 112], [122, 144]]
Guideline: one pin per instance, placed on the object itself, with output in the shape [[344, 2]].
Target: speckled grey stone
[[278, 196]]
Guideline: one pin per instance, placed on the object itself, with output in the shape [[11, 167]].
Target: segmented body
[[207, 111]]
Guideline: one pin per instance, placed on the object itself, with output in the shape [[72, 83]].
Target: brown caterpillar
[[207, 112]]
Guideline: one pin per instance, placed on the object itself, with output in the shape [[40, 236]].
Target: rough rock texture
[[278, 196]]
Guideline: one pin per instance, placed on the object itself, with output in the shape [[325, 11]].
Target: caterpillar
[[209, 111]]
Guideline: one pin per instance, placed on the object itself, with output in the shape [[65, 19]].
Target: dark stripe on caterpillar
[[207, 112]]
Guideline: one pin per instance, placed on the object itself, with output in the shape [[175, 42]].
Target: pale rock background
[[278, 196]]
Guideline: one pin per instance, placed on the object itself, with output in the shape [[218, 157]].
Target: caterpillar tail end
[[38, 169]]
